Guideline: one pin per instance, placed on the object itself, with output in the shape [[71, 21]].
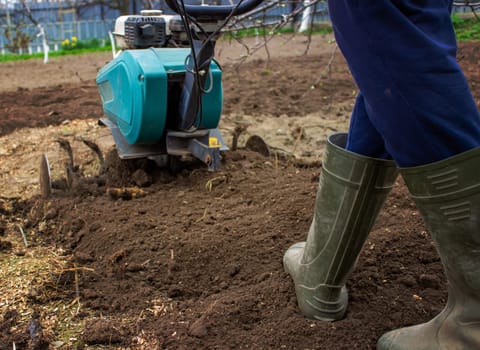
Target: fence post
[[306, 17], [2, 44]]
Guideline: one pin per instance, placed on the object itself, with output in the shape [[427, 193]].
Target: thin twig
[[78, 268], [327, 72], [23, 236], [203, 216], [297, 140], [77, 288], [264, 35]]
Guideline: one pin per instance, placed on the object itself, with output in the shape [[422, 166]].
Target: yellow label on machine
[[213, 142]]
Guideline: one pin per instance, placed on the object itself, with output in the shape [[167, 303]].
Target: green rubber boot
[[352, 190], [447, 194]]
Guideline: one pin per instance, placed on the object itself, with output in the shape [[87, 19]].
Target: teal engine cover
[[140, 90]]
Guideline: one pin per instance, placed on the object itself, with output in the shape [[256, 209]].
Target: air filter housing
[[142, 32]]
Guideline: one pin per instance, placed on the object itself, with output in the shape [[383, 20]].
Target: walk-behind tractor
[[161, 99], [162, 92]]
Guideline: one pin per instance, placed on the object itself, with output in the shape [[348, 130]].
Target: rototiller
[[162, 99]]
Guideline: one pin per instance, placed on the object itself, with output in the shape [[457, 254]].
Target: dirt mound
[[196, 262]]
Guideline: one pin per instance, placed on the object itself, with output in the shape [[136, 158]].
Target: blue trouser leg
[[363, 138], [415, 103]]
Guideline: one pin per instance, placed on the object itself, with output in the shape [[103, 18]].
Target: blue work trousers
[[414, 105]]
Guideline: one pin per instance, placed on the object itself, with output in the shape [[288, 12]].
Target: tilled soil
[[193, 260]]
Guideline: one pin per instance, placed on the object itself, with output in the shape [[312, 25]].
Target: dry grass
[[32, 283]]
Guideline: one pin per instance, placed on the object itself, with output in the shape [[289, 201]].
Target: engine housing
[[140, 91]]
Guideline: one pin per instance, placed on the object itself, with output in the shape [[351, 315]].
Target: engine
[[150, 29]]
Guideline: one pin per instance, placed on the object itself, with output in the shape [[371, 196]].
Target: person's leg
[[402, 56], [447, 193], [363, 138], [352, 190]]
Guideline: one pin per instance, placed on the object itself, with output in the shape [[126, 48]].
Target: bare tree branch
[[28, 12], [473, 5]]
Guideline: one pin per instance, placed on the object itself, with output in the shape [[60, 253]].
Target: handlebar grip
[[214, 12]]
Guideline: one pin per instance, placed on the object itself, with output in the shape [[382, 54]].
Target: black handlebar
[[214, 12]]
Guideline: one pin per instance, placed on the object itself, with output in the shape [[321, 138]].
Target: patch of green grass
[[466, 28], [25, 56], [75, 44], [68, 47], [318, 29]]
